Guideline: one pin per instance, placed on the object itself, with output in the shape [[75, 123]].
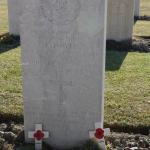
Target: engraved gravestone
[[136, 7], [120, 19], [15, 10], [63, 57]]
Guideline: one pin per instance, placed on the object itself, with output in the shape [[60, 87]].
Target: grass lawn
[[10, 84], [145, 7], [10, 74], [127, 99], [127, 92], [3, 17], [142, 28]]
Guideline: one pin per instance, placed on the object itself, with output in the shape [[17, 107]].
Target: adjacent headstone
[[63, 56], [137, 8], [120, 20], [15, 9]]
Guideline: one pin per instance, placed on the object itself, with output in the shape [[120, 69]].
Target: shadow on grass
[[8, 118], [142, 37], [126, 128], [135, 20], [115, 127], [116, 53], [145, 18], [8, 42], [114, 59]]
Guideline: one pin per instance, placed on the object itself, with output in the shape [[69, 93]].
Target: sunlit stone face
[[63, 43], [60, 11]]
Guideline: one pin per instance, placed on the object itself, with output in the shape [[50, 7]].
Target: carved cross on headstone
[[99, 134], [38, 135]]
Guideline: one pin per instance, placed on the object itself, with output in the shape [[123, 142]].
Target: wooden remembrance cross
[[38, 135]]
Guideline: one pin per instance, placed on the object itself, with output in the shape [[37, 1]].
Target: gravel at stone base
[[125, 141], [12, 134]]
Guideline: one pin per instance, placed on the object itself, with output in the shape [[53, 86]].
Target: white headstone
[[136, 7], [63, 55], [120, 19], [15, 10]]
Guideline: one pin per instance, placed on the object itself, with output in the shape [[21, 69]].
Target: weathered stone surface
[[120, 20], [136, 7], [63, 56], [15, 10]]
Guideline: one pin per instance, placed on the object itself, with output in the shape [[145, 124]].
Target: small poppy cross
[[99, 134], [38, 135]]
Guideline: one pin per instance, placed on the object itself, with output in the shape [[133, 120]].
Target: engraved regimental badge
[[60, 11]]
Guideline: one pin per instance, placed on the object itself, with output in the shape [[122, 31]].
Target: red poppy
[[99, 134], [38, 135]]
